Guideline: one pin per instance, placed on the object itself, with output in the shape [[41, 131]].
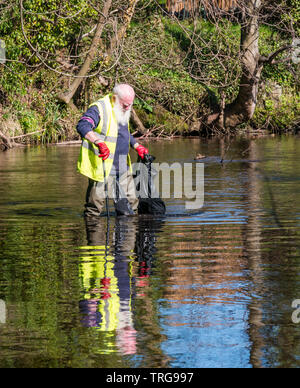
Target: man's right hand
[[104, 150]]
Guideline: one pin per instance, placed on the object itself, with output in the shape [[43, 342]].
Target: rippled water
[[207, 288]]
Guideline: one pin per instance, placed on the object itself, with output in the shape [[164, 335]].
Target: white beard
[[121, 116]]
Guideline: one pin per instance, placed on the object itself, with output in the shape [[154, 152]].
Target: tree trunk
[[6, 140], [138, 123], [127, 19], [242, 108], [67, 97]]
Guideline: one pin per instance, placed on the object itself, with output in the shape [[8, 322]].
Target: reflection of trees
[[280, 253], [146, 306], [252, 252], [206, 254], [271, 256], [260, 255], [36, 285], [209, 257]]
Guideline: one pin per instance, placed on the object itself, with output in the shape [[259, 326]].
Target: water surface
[[208, 288]]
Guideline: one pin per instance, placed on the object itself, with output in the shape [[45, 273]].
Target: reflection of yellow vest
[[89, 163], [92, 269]]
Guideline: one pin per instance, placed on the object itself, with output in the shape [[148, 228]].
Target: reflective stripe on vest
[[89, 163], [105, 123], [91, 147]]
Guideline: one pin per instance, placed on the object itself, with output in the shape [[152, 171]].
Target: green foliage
[[171, 65], [28, 120], [37, 34], [163, 120], [270, 41], [292, 17], [162, 78], [277, 116], [279, 74], [140, 104], [47, 26]]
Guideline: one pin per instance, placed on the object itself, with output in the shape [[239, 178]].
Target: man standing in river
[[104, 153]]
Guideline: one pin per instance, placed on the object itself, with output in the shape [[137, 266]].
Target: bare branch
[[66, 97], [271, 58]]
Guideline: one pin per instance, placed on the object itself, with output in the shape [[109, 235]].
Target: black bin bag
[[149, 200]]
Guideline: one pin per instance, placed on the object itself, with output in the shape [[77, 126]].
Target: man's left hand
[[141, 150]]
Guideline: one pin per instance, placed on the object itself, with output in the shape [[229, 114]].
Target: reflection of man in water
[[107, 281], [145, 247], [107, 276]]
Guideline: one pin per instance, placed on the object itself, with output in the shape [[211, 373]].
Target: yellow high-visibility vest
[[89, 163]]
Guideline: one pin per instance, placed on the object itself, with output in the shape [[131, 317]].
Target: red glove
[[141, 150], [104, 151]]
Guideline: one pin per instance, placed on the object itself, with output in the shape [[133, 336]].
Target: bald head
[[125, 94], [123, 97]]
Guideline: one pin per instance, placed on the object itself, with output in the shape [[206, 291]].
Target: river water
[[215, 287]]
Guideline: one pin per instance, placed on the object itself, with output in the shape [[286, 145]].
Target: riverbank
[[157, 58], [24, 141]]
